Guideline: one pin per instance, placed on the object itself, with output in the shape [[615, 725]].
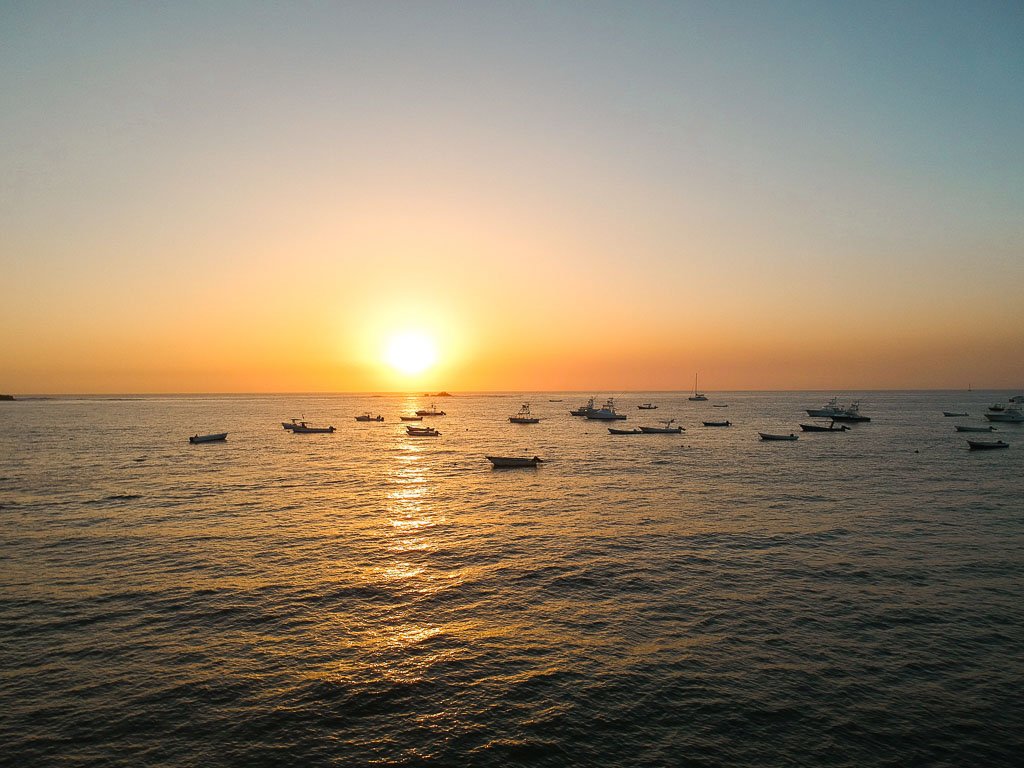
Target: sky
[[258, 197]]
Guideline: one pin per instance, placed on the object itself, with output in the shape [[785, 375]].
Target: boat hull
[[1006, 417], [300, 430], [717, 423], [819, 428], [787, 438], [604, 416], [217, 438], [522, 420], [510, 462], [961, 428], [984, 445], [661, 430], [613, 431]]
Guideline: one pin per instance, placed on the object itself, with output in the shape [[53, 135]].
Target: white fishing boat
[[827, 411], [668, 429], [1010, 415], [505, 462], [218, 437], [583, 410], [432, 411], [606, 412], [524, 416], [697, 396], [767, 436], [368, 417]]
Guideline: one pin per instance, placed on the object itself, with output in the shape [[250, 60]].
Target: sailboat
[[697, 396]]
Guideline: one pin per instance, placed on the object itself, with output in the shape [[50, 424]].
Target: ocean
[[367, 598]]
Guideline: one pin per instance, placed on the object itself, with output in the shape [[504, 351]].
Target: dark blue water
[[365, 598]]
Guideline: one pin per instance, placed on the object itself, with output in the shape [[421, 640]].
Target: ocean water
[[366, 598]]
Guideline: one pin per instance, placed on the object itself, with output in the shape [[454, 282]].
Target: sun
[[410, 352]]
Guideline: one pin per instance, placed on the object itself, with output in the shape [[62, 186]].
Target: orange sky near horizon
[[563, 197]]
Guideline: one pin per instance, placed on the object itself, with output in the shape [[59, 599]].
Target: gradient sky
[[566, 195]]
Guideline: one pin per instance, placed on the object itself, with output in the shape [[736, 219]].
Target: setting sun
[[411, 352]]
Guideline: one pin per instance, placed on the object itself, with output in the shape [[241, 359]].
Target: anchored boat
[[505, 462]]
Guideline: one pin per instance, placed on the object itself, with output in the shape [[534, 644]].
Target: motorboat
[[219, 437], [697, 396], [368, 417], [583, 410], [421, 432], [668, 429], [851, 413], [432, 411], [719, 405], [954, 413], [554, 401], [822, 428], [411, 418], [986, 445], [962, 428], [524, 416], [507, 462], [997, 407], [717, 423], [647, 407], [830, 409], [302, 428], [1011, 415], [605, 413], [613, 431], [767, 436], [291, 424]]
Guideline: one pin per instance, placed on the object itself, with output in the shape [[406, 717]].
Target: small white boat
[[411, 418], [302, 428], [421, 432], [215, 438], [524, 416], [606, 412], [505, 462], [962, 428], [767, 436], [368, 417], [647, 407], [432, 411], [668, 429], [986, 445]]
